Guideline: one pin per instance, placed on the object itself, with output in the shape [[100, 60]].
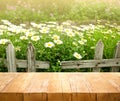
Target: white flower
[[6, 22], [4, 27], [92, 26], [49, 44], [60, 28], [81, 42], [68, 30], [3, 41], [76, 28], [56, 37], [35, 38], [74, 43], [18, 48], [15, 29], [23, 25], [76, 55], [34, 24], [66, 23], [58, 42], [50, 26], [23, 38], [11, 29], [80, 34], [71, 34], [42, 25], [93, 47], [29, 34], [44, 30]]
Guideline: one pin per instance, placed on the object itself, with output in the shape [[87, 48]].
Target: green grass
[[79, 11]]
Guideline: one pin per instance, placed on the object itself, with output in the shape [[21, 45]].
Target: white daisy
[[49, 44], [77, 55]]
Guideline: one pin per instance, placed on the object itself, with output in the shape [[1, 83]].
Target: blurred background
[[77, 11]]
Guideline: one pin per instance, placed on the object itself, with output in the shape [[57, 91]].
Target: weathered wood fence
[[31, 64], [98, 61]]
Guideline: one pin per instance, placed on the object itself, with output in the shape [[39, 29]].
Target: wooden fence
[[31, 64], [98, 61]]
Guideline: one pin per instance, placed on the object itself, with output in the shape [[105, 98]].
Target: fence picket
[[31, 58], [11, 61], [117, 55], [98, 54]]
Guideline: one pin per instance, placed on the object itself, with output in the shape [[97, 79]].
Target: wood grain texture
[[10, 54], [31, 58], [35, 97], [23, 64], [66, 88], [117, 55], [98, 54], [54, 86], [90, 63], [5, 80], [11, 97], [81, 90], [59, 86], [103, 88], [108, 97]]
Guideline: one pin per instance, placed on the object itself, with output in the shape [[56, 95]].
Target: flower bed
[[57, 42]]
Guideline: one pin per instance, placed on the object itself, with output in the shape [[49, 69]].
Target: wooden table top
[[60, 86]]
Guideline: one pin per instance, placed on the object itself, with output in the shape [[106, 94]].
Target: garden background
[[59, 29]]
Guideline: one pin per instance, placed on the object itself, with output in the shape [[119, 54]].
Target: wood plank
[[90, 63], [113, 78], [60, 86], [38, 64], [86, 96], [73, 86], [5, 79], [35, 97], [99, 84], [37, 88], [23, 64], [102, 88], [11, 97], [66, 87], [38, 84], [108, 97], [10, 54], [117, 55], [16, 87], [54, 88], [79, 88], [98, 54], [18, 84], [31, 58]]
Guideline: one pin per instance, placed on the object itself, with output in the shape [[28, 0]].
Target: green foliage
[[56, 42]]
